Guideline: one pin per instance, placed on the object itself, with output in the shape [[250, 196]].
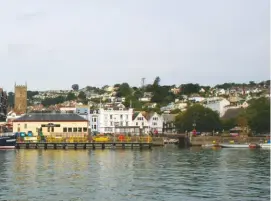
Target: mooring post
[[85, 146], [75, 146], [123, 146], [45, 146], [27, 145], [132, 145], [103, 146], [54, 146], [93, 146]]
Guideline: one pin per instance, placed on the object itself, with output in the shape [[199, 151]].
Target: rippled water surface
[[166, 174]]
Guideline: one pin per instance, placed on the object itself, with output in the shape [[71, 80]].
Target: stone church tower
[[20, 99]]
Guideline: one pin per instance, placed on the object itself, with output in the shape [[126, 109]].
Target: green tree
[[70, 96], [82, 96], [10, 99], [228, 124], [206, 120], [124, 90], [190, 88], [258, 115], [133, 101], [30, 94], [156, 82], [52, 101]]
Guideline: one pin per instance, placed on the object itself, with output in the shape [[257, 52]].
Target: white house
[[156, 123], [202, 90], [196, 99], [220, 92], [139, 120], [67, 109], [94, 120], [110, 119], [218, 105]]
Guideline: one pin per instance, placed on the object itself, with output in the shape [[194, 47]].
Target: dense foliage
[[258, 115], [205, 119]]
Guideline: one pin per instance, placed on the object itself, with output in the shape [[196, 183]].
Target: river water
[[166, 174]]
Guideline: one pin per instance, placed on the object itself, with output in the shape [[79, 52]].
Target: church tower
[[20, 99]]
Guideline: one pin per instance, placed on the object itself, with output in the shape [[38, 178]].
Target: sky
[[53, 44]]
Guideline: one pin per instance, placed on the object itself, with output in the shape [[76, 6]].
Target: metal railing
[[86, 139]]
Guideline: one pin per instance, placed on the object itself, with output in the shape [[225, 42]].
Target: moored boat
[[7, 141], [265, 145], [224, 145]]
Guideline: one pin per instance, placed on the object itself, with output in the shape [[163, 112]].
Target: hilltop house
[[218, 105]]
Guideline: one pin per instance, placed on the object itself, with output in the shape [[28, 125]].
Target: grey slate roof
[[50, 117]]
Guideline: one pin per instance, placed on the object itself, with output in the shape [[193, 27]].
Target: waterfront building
[[20, 99], [51, 124], [169, 123], [94, 120], [155, 122], [111, 118], [83, 111], [140, 121]]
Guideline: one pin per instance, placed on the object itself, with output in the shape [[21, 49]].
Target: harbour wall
[[203, 140]]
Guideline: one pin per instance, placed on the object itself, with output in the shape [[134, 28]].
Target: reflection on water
[[159, 174]]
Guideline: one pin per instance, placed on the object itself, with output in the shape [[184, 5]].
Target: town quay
[[87, 145]]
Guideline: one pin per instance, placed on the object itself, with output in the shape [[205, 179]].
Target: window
[[111, 123], [127, 116], [136, 123], [69, 130], [85, 129], [121, 116], [94, 119], [142, 123], [111, 116], [79, 129], [52, 129], [95, 127], [64, 130], [74, 130], [121, 124], [25, 126], [91, 126], [126, 123], [48, 129]]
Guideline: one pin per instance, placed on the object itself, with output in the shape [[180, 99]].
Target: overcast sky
[[53, 44]]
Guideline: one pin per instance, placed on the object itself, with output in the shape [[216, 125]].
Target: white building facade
[[109, 119], [94, 120], [141, 122], [218, 106], [156, 123]]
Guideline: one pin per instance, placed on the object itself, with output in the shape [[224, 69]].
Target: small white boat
[[234, 145], [265, 145]]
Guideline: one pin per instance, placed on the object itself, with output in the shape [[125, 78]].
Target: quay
[[82, 145]]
